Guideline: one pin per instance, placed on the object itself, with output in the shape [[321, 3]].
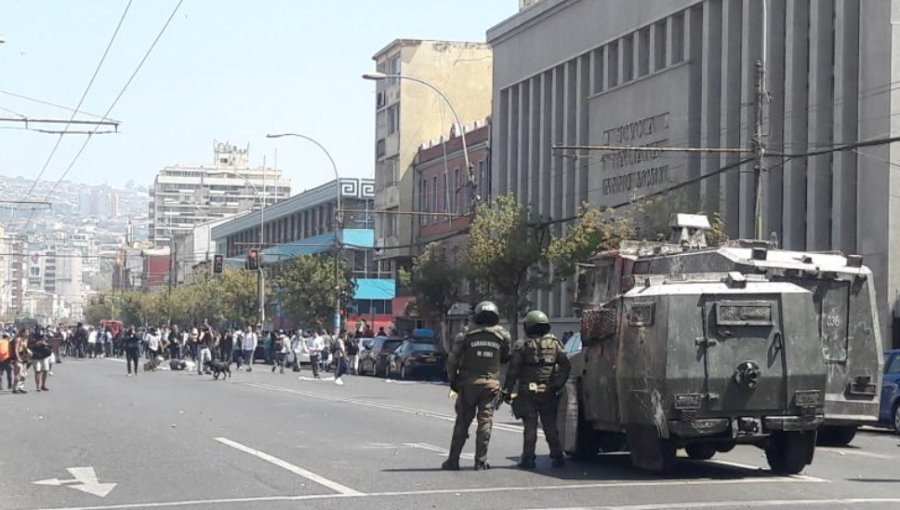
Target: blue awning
[[378, 289]]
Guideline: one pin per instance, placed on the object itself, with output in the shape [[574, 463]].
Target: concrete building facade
[[683, 73], [183, 196], [409, 114]]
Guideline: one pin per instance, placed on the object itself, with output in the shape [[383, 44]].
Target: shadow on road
[[874, 480]]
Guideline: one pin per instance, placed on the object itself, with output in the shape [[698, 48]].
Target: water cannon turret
[[689, 230]]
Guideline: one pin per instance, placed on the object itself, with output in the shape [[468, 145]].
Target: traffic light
[[253, 260], [218, 262]]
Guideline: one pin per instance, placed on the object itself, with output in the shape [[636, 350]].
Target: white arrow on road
[[85, 480]]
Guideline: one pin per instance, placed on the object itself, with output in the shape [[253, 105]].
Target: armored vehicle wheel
[[836, 435], [587, 441], [725, 447], [896, 417], [700, 451], [789, 452]]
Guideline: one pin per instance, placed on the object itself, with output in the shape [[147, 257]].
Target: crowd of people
[[24, 350], [203, 344]]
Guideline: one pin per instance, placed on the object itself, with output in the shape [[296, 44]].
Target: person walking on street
[[316, 345], [92, 343], [298, 347], [226, 347], [6, 363], [153, 344], [473, 369], [538, 371], [282, 348], [40, 361], [339, 353], [249, 344], [132, 344], [20, 355], [204, 354], [174, 343], [352, 346]]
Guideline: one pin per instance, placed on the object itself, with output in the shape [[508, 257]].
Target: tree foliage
[[436, 279], [594, 232], [505, 254], [307, 288]]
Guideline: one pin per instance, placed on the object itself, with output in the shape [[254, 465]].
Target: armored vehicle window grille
[[737, 313], [641, 314]]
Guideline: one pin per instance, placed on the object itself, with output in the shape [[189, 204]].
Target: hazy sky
[[225, 69]]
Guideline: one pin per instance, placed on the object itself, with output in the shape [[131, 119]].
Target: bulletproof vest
[[539, 359], [481, 358]]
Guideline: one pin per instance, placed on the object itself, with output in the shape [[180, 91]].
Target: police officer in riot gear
[[538, 371], [473, 369]]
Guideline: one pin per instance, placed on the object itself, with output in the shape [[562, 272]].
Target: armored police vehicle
[[700, 348]]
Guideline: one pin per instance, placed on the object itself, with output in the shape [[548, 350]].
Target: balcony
[[388, 198]]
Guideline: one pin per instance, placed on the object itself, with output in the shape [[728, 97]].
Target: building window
[[379, 148], [434, 195], [677, 49], [394, 68], [643, 63], [612, 67], [659, 46], [393, 119]]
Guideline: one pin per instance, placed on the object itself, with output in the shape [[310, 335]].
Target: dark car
[[889, 412], [416, 358], [374, 360]]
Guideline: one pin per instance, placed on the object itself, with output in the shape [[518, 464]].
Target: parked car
[[573, 345], [889, 412], [374, 360], [414, 357]]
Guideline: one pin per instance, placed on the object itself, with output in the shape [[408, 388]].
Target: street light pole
[[338, 225], [462, 131]]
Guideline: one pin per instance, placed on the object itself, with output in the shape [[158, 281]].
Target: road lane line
[[309, 475], [476, 490], [389, 407], [847, 451], [442, 452]]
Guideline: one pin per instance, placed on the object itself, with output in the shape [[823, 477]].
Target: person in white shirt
[[282, 347], [92, 343], [153, 339], [298, 348], [316, 344], [248, 345]]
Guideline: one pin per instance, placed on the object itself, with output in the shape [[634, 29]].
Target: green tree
[[307, 288], [94, 313], [505, 255], [239, 295], [436, 279], [595, 231]]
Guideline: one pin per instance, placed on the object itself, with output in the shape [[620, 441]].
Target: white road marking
[[390, 407], [84, 480], [848, 451], [309, 475], [442, 452], [739, 504], [117, 360], [477, 490]]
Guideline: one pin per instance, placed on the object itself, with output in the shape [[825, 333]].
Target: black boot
[[450, 465], [481, 465]]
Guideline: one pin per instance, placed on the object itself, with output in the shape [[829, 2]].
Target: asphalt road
[[263, 440]]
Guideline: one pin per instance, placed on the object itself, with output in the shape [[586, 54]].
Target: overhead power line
[[48, 103], [81, 101], [121, 93]]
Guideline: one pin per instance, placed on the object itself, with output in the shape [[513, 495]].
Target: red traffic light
[[253, 260]]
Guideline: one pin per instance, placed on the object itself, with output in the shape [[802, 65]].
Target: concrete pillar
[[751, 51], [501, 168], [732, 14], [821, 124], [522, 129], [545, 160], [532, 159], [846, 118], [795, 123], [691, 23], [773, 177], [710, 106]]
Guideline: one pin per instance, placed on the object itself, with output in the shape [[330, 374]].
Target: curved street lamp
[[446, 98], [338, 222]]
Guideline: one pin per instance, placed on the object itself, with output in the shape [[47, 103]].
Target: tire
[[587, 441], [700, 451], [789, 452], [725, 447], [837, 435], [896, 416]]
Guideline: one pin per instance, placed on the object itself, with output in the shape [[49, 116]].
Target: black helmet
[[537, 323], [486, 314]]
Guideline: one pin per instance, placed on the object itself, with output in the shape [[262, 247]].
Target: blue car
[[889, 413]]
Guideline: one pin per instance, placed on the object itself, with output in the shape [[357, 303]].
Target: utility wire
[[119, 96], [48, 103], [81, 101]]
